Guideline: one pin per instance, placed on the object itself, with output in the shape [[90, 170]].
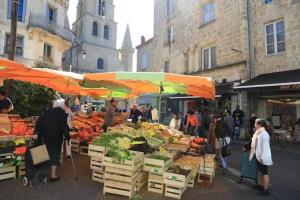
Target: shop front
[[276, 97]]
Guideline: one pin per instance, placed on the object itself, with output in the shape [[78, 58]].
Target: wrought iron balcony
[[40, 21]]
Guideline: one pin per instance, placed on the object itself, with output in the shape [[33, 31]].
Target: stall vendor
[[110, 113], [6, 105]]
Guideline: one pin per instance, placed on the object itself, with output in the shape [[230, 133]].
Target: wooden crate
[[155, 183], [96, 151], [96, 164], [191, 182], [75, 145], [156, 166], [98, 176], [132, 165], [174, 191], [7, 173], [205, 180], [5, 122], [21, 170], [84, 150], [142, 180], [176, 179], [119, 181]]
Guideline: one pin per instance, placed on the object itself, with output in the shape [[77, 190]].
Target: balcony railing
[[40, 21]]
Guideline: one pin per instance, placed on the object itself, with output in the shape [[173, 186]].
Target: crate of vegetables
[[177, 176], [157, 163], [126, 160]]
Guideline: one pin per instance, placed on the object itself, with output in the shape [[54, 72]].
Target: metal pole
[[250, 47]]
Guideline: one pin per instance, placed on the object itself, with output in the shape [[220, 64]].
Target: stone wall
[[34, 38], [289, 11]]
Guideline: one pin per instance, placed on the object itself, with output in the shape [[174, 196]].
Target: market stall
[[130, 155], [168, 163]]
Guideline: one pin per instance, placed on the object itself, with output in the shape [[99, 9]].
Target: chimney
[[143, 40]]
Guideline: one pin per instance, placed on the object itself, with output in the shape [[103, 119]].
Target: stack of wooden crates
[[156, 169], [6, 171], [97, 154], [121, 178], [176, 184], [207, 168]]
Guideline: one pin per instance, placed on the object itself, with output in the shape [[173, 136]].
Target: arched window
[[106, 32], [95, 29], [100, 64], [101, 8]]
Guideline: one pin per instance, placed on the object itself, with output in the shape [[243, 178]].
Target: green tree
[[31, 99]]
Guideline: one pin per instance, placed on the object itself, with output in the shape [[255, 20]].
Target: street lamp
[[76, 45]]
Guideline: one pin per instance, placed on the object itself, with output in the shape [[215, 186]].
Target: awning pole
[[159, 102]]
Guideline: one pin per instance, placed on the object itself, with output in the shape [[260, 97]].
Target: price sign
[[173, 178], [154, 170]]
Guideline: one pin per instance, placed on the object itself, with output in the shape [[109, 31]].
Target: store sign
[[289, 87]]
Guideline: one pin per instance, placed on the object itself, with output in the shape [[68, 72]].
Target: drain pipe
[[250, 46], [250, 50]]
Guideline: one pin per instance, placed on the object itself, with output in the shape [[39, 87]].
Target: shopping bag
[[225, 150], [39, 154]]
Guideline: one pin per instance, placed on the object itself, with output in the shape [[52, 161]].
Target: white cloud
[[137, 13]]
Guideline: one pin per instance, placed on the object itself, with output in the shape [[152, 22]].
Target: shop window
[[275, 37], [19, 45], [209, 60], [100, 64], [21, 10], [208, 13], [95, 29], [106, 32]]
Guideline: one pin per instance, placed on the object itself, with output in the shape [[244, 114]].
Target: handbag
[[39, 154], [225, 150]]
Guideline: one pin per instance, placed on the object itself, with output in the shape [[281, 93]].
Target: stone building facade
[[211, 38], [43, 32], [96, 38]]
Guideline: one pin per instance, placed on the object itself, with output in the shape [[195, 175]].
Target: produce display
[[18, 126], [191, 162], [176, 169], [87, 127], [158, 157]]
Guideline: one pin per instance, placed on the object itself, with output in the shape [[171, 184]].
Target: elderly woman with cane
[[52, 129]]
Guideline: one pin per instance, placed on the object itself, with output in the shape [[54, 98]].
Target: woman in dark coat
[[52, 129]]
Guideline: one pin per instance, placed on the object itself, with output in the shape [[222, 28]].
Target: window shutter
[[9, 7]]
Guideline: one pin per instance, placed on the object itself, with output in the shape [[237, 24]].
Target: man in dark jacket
[[52, 129], [222, 132]]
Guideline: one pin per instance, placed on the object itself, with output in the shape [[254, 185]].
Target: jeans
[[224, 161], [236, 133]]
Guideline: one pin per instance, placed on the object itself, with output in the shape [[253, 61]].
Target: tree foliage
[[31, 99]]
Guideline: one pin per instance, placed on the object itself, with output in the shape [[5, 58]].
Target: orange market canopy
[[64, 82], [151, 82]]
